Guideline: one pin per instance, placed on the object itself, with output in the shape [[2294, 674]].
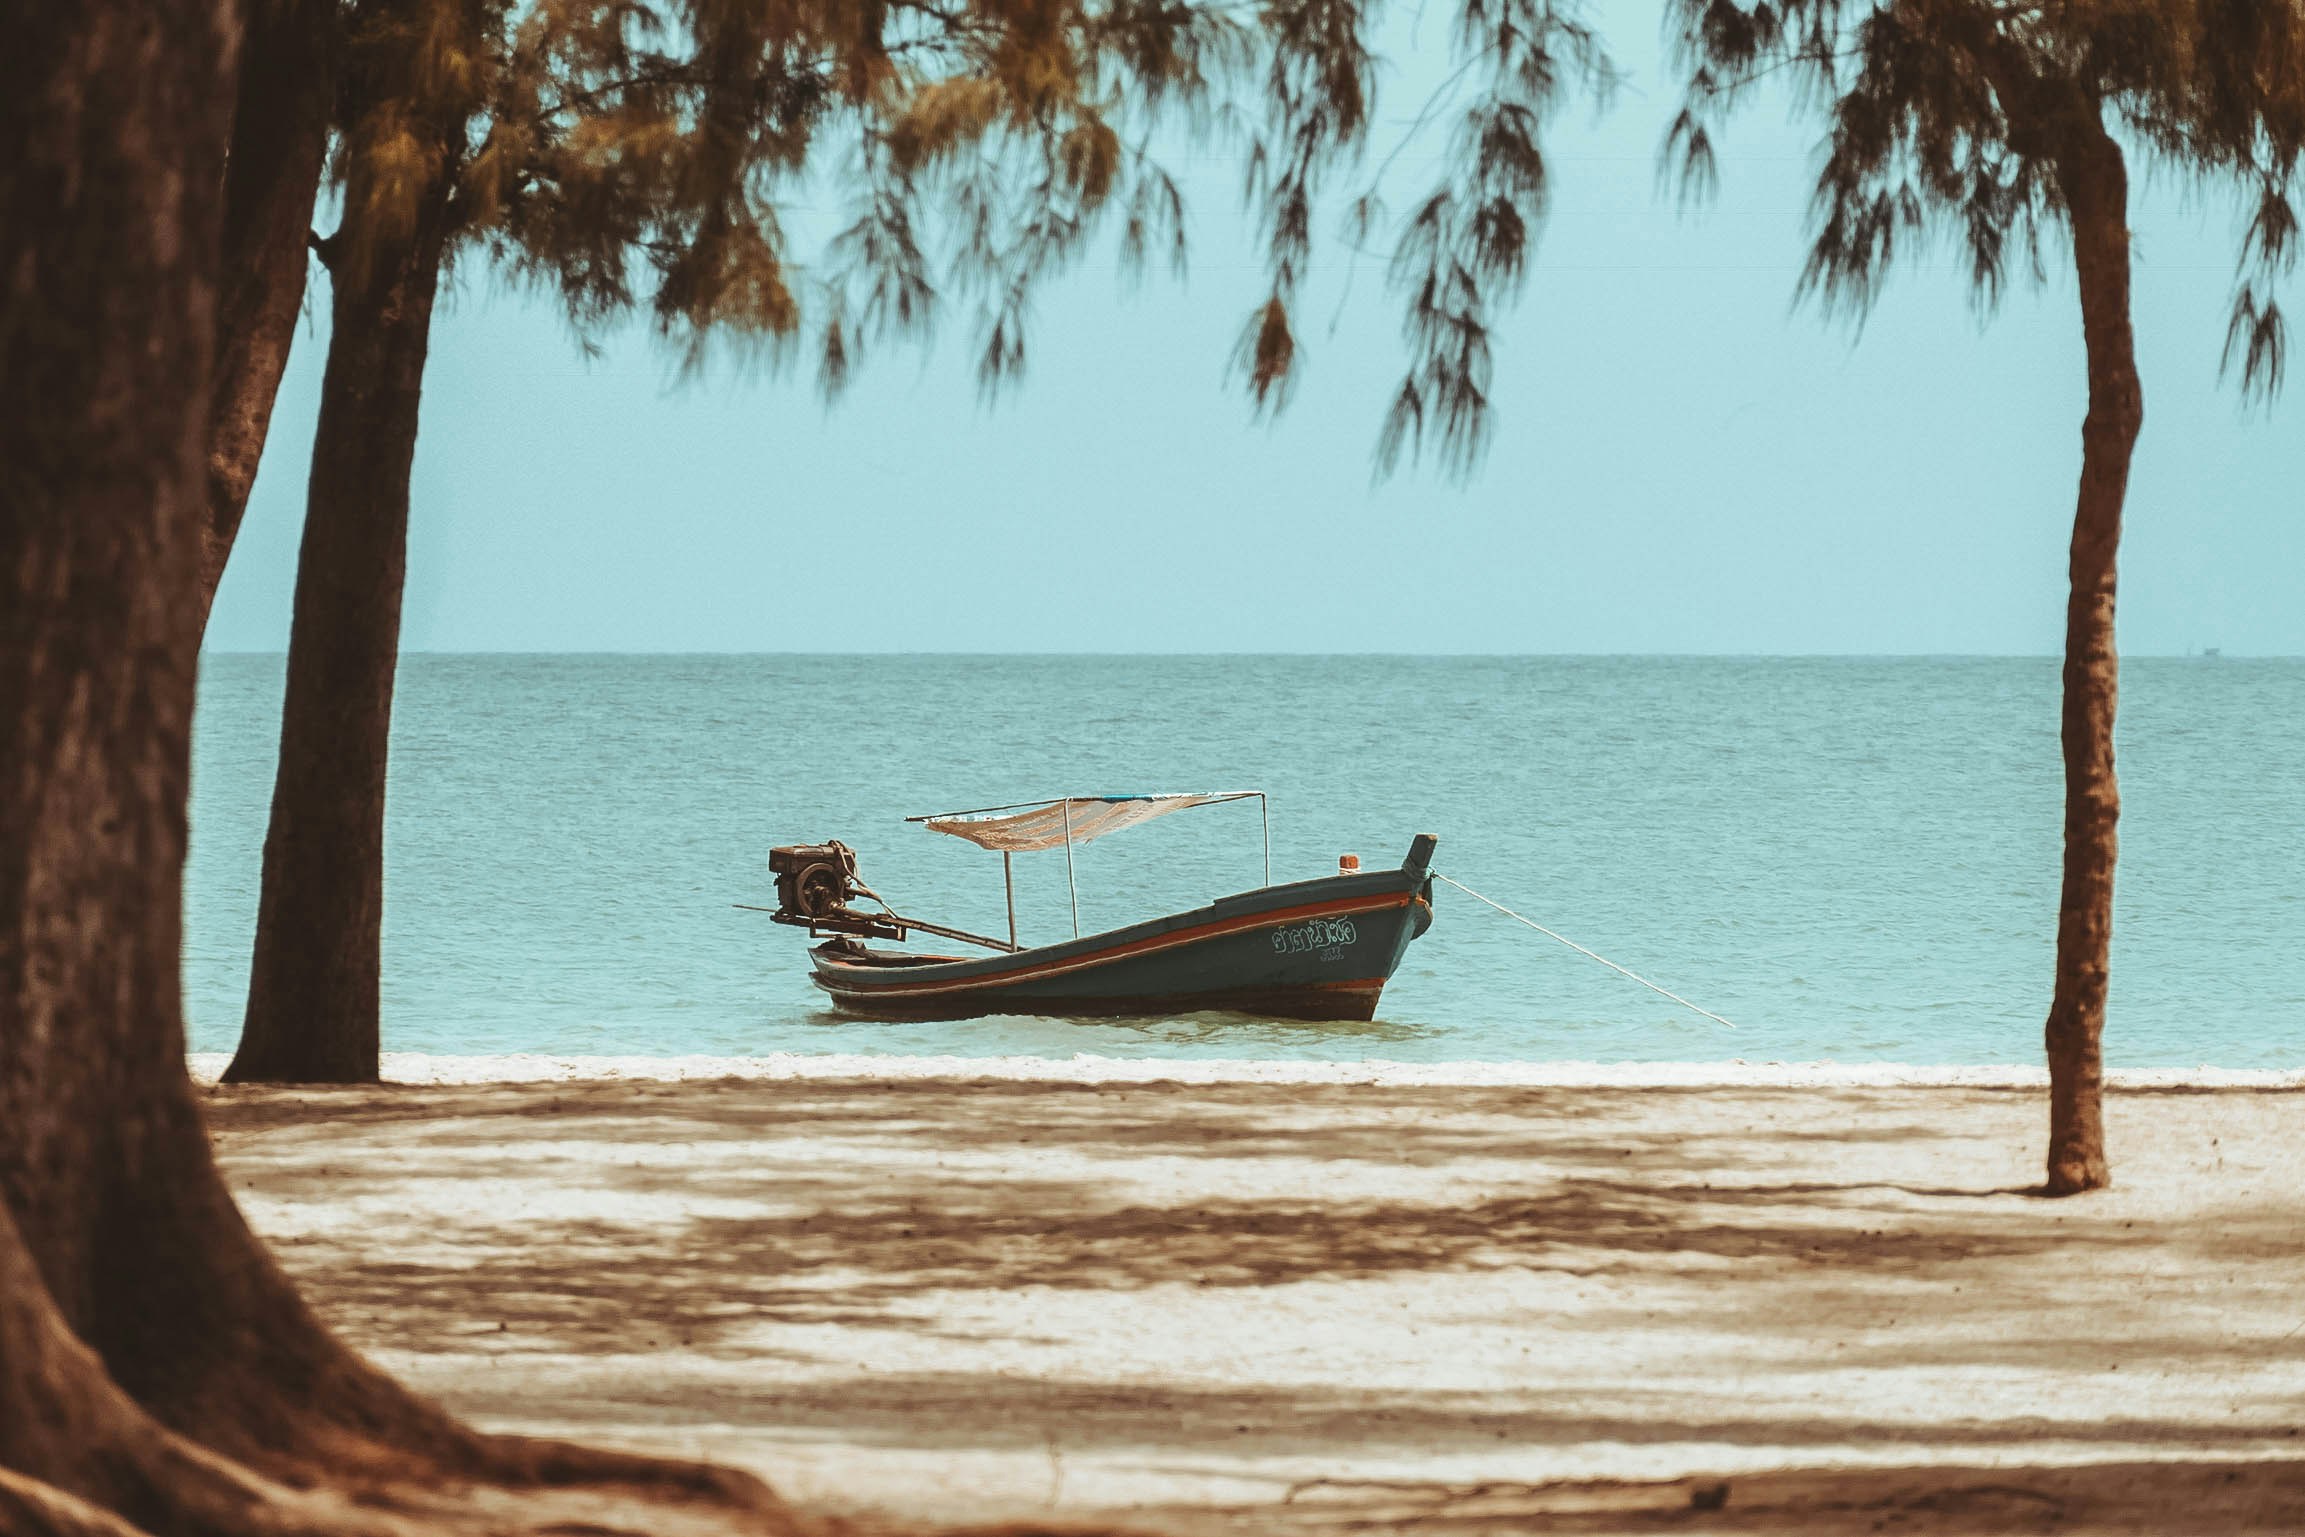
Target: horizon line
[[2212, 655]]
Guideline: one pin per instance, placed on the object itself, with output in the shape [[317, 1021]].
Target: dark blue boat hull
[[1319, 949]]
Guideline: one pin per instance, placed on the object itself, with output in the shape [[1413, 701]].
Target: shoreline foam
[[419, 1068]]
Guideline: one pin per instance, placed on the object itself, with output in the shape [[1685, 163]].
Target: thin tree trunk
[[313, 987], [271, 179], [2095, 184]]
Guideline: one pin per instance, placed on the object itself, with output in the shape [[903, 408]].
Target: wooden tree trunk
[[158, 1372], [2095, 183], [118, 1246], [155, 1363], [313, 988], [271, 178]]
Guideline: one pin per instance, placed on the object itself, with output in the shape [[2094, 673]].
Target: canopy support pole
[[1069, 884], [1008, 879], [1264, 814]]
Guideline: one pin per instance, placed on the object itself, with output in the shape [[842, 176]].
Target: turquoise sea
[[1854, 860]]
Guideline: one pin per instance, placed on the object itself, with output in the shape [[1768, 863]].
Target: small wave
[[420, 1068]]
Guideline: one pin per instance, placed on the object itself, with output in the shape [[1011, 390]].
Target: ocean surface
[[1853, 860]]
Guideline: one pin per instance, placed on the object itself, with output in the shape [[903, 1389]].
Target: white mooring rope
[[1580, 949]]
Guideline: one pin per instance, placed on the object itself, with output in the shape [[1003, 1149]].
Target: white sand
[[1177, 1293]]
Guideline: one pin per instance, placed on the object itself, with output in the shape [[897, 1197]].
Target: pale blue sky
[[1682, 463]]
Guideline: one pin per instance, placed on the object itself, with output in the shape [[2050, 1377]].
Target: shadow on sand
[[2114, 1499], [767, 1213]]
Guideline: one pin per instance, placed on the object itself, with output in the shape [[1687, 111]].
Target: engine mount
[[815, 882]]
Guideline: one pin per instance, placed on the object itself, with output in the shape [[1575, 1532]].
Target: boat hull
[[1320, 949]]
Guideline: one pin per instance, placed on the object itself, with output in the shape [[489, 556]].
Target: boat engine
[[815, 882]]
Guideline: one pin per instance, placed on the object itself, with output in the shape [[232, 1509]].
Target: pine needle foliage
[[642, 156], [1463, 249], [1467, 245], [647, 157], [1952, 118]]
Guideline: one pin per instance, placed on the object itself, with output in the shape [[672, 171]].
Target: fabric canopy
[[1044, 824]]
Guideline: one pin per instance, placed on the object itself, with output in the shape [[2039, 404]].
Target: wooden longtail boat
[[1316, 949]]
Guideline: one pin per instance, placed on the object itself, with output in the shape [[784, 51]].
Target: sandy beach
[[1765, 1299]]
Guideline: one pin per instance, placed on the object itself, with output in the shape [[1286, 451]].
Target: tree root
[[544, 1464], [351, 1454], [29, 1509]]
